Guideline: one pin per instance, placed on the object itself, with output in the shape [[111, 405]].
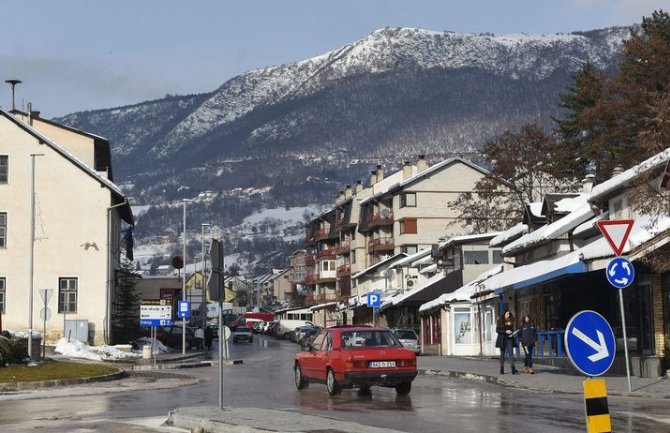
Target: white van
[[288, 326]]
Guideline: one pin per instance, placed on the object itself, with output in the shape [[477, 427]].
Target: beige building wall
[[70, 235]]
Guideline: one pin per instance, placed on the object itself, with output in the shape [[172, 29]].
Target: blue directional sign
[[590, 343], [620, 272], [155, 322], [374, 299], [184, 309]]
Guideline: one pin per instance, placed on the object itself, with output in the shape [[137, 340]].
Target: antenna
[[13, 83]]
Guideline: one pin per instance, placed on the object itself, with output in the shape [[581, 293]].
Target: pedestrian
[[199, 338], [505, 340], [209, 336], [528, 334]]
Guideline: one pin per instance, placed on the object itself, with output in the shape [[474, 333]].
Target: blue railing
[[549, 345]]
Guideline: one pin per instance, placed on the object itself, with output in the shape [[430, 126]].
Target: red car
[[355, 357]]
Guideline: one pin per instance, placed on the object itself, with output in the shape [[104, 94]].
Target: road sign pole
[[625, 339], [221, 339]]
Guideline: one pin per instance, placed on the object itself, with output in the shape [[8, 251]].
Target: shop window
[[497, 257], [462, 326], [476, 257]]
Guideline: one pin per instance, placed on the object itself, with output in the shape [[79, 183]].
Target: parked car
[[408, 338], [297, 333], [355, 357], [273, 329], [171, 336], [242, 333], [307, 336]]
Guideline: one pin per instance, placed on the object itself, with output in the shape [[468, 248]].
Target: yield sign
[[616, 232]]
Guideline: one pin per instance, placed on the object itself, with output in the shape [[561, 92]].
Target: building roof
[[125, 210], [509, 235], [382, 263], [465, 239]]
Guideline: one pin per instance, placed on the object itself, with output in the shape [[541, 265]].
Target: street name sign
[[374, 299], [590, 343], [155, 312], [620, 273], [616, 233]]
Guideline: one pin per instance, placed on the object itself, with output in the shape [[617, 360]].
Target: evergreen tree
[[126, 315]]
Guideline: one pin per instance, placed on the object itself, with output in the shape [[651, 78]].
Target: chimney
[[380, 173], [407, 170], [35, 114], [347, 192], [373, 177], [421, 163], [587, 183], [617, 170], [339, 198], [359, 186], [30, 113]]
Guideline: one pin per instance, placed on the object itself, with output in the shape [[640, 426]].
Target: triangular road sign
[[616, 232]]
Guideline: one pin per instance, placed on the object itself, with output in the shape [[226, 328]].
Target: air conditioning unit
[[410, 283]]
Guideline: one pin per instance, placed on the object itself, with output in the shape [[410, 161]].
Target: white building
[[78, 214]]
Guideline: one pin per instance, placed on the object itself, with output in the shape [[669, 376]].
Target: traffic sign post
[[374, 301], [45, 315], [620, 272], [184, 311], [590, 343]]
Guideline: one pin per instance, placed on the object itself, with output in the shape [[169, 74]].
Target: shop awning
[[536, 273]]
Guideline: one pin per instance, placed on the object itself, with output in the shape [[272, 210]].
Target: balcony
[[309, 280], [380, 219], [343, 270], [321, 234], [344, 247], [381, 244], [339, 223], [328, 252]]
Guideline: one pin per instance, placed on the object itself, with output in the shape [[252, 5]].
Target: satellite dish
[[410, 283], [389, 274], [385, 213]]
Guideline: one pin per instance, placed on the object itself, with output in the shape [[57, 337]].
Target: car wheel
[[251, 340], [403, 388], [332, 385], [300, 381], [364, 390], [286, 336]]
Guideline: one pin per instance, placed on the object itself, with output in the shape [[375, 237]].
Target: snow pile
[[77, 349], [159, 348], [24, 334]]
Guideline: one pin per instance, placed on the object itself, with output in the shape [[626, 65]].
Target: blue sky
[[75, 55]]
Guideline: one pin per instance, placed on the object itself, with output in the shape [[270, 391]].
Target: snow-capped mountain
[[303, 130]]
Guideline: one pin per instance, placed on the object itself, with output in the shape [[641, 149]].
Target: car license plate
[[382, 364]]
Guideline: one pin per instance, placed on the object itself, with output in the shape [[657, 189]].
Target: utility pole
[[183, 287], [32, 253], [203, 303]]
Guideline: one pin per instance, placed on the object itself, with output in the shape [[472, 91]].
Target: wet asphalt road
[[265, 380]]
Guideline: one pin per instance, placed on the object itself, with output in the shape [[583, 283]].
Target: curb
[[497, 381], [54, 383]]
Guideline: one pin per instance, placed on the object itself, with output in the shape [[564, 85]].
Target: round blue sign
[[620, 272], [590, 343]]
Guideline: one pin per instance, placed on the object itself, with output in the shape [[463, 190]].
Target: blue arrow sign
[[374, 299], [184, 309], [620, 273], [590, 343]]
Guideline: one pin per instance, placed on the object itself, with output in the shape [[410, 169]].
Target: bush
[[12, 351]]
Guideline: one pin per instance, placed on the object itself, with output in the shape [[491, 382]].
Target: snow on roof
[[535, 208], [464, 293], [429, 269], [413, 258], [509, 235], [590, 224], [532, 271], [321, 306], [383, 262], [570, 204], [457, 240], [601, 191], [551, 231], [383, 186]]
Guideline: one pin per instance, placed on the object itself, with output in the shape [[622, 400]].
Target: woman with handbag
[[505, 340]]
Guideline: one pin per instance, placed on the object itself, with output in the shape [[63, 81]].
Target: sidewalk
[[545, 379]]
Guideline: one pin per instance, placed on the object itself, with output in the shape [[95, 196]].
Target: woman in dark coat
[[528, 333], [505, 340]]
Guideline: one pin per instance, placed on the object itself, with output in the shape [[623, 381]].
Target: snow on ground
[[292, 214], [77, 349], [159, 348]]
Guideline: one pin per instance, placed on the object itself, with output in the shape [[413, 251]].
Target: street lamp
[[203, 306], [183, 284], [32, 253]]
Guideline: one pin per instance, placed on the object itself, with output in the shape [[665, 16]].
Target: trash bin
[[146, 352]]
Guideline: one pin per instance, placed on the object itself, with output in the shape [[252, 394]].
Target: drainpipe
[[108, 290]]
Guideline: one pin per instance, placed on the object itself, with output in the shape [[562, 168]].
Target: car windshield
[[369, 339], [243, 329], [405, 334]]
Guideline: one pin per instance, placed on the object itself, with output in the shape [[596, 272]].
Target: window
[[3, 230], [462, 326], [476, 257], [67, 295], [408, 226], [497, 257], [410, 249], [2, 295], [4, 169], [408, 199]]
